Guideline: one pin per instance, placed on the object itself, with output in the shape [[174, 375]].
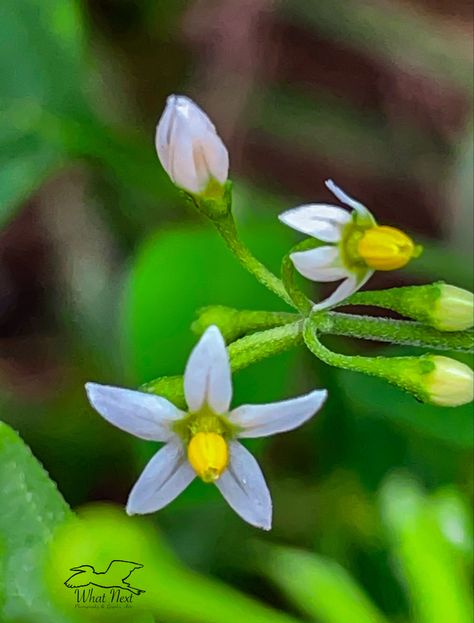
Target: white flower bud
[[189, 147], [453, 310], [450, 383]]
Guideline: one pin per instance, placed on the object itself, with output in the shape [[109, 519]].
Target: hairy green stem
[[403, 372], [394, 331], [228, 231], [258, 346], [299, 298], [234, 323]]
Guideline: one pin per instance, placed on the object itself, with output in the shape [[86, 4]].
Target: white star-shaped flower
[[358, 246], [202, 441]]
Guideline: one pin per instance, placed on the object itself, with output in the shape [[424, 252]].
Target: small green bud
[[450, 383], [453, 310]]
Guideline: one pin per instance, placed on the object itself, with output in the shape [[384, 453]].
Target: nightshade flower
[[358, 246], [189, 147], [202, 441]]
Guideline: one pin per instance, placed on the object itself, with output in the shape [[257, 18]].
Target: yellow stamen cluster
[[209, 455], [386, 248]]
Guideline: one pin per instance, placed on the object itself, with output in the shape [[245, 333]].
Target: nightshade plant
[[342, 245]]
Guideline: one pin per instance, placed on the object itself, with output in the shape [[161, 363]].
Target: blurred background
[[103, 266]]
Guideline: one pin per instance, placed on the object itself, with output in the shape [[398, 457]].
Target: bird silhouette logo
[[115, 576]]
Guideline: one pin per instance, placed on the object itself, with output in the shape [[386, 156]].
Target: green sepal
[[215, 201]]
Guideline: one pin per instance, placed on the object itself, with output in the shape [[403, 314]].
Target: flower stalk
[[228, 231], [235, 323], [404, 332], [432, 379]]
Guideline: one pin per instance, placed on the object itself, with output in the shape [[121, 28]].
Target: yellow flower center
[[386, 248], [209, 455]]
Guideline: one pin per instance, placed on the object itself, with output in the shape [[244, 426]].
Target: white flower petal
[[320, 264], [215, 157], [166, 475], [181, 167], [245, 489], [164, 131], [343, 291], [344, 198], [207, 378], [268, 419], [321, 221], [144, 415]]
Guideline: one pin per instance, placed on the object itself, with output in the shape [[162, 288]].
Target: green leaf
[[437, 584], [41, 52], [172, 592], [320, 587], [375, 398], [24, 165], [41, 60], [32, 507]]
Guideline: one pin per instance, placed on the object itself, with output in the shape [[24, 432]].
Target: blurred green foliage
[[352, 541]]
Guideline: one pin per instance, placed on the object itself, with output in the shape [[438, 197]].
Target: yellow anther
[[208, 455], [386, 248]]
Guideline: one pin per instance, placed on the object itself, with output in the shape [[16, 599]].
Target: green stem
[[227, 229], [258, 346], [299, 298], [242, 353], [403, 372], [394, 331], [234, 323]]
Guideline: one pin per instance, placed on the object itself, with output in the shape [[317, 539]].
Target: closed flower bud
[[453, 310], [450, 383], [189, 147]]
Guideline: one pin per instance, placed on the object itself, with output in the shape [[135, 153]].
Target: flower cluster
[[345, 245]]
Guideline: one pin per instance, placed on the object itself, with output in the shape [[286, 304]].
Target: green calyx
[[352, 234], [204, 421], [215, 201]]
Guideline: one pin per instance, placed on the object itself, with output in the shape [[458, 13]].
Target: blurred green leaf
[[437, 584], [375, 398], [32, 507], [320, 587], [44, 41], [454, 519], [24, 165], [442, 262], [41, 56], [172, 592]]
